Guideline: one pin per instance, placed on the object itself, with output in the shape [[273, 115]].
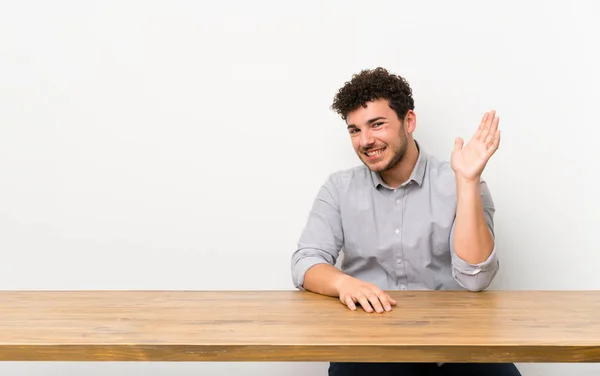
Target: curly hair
[[369, 85]]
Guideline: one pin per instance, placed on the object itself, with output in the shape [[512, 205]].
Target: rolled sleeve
[[322, 237], [302, 264], [477, 277]]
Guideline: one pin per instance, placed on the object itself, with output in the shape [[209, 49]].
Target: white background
[[179, 144]]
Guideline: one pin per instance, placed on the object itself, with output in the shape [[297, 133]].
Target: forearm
[[324, 279], [473, 241]]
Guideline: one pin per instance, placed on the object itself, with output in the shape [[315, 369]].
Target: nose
[[366, 139]]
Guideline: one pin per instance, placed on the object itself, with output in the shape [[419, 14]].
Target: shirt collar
[[417, 175]]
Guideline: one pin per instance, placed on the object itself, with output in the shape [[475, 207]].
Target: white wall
[[179, 145]]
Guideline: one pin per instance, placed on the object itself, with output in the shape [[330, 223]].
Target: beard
[[397, 155]]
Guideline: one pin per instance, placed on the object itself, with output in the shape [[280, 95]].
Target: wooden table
[[493, 326]]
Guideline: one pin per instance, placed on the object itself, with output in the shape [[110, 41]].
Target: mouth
[[374, 154]]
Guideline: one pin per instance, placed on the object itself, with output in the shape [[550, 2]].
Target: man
[[405, 220]]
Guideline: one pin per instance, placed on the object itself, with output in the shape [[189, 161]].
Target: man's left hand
[[469, 161]]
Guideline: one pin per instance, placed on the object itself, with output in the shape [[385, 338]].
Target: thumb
[[458, 144]]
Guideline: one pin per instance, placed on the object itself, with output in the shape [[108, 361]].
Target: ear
[[410, 122]]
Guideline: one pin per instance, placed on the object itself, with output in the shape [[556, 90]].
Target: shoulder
[[441, 178], [350, 178], [440, 175], [438, 168]]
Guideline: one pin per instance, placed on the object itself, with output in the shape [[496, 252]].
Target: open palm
[[468, 161]]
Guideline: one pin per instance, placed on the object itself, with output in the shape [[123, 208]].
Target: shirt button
[[403, 287], [397, 231], [399, 261], [398, 201]]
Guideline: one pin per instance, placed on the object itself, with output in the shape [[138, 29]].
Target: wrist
[[467, 182], [340, 281], [467, 187]]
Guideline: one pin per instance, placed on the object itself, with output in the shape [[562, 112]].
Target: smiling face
[[379, 137]]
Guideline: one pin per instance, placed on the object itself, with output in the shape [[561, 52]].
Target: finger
[[488, 125], [375, 303], [458, 144], [350, 303], [491, 117], [492, 132], [392, 301], [480, 129], [491, 149], [364, 303], [496, 141], [385, 300]]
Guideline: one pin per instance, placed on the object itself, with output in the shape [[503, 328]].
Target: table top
[[428, 326]]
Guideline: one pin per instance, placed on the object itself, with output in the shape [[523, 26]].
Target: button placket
[[402, 280]]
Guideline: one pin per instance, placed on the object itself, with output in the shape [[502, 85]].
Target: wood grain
[[426, 326]]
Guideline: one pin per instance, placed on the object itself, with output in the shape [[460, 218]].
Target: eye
[[377, 124], [352, 130]]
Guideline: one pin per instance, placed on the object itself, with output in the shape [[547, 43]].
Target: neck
[[401, 172]]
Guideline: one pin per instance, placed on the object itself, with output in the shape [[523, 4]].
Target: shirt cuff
[[302, 267], [467, 268]]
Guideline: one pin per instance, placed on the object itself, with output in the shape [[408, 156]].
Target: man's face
[[377, 135]]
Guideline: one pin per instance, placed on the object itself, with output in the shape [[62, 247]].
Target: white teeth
[[374, 152]]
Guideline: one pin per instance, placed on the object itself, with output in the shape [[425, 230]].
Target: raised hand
[[468, 161]]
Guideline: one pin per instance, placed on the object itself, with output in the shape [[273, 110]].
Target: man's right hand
[[371, 298]]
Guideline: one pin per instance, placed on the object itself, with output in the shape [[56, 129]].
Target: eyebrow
[[370, 121]]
